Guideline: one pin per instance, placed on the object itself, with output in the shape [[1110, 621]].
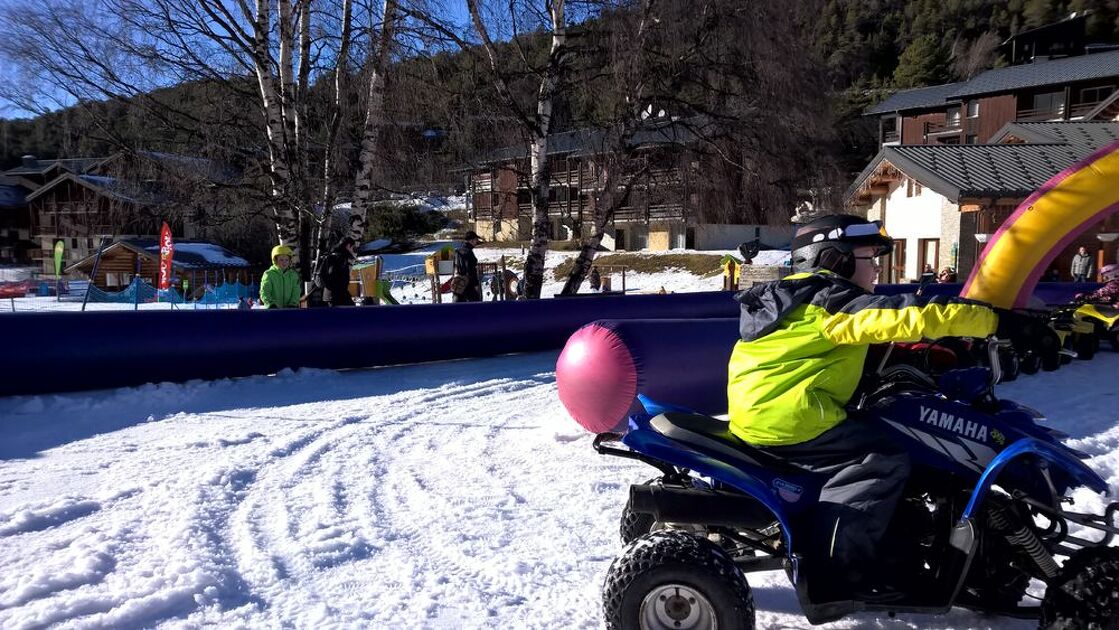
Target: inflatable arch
[[1065, 207]]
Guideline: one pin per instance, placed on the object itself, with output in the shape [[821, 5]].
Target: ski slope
[[451, 495]]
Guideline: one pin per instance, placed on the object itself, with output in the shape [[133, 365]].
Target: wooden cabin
[[198, 262]]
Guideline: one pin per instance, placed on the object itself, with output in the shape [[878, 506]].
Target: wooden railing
[[951, 126], [1047, 113], [891, 136], [1083, 109]]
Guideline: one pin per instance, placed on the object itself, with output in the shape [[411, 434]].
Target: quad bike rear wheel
[[674, 580], [634, 525], [1030, 363], [1085, 596], [1085, 345], [1008, 362]]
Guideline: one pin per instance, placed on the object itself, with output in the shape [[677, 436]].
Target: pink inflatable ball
[[597, 378], [681, 362]]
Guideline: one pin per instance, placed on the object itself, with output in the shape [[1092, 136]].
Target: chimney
[[30, 161]]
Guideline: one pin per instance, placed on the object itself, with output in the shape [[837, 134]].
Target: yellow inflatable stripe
[[1040, 228]]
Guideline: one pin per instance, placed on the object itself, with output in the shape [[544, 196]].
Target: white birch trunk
[[538, 127], [287, 223], [329, 192], [540, 174], [370, 162]]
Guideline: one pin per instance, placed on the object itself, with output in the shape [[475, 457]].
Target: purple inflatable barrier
[[607, 363], [54, 352]]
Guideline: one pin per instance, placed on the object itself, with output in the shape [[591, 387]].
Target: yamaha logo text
[[974, 430]]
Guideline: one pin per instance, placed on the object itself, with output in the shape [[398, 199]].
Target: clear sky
[[9, 73]]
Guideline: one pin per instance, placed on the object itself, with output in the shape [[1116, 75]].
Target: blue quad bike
[[985, 512]]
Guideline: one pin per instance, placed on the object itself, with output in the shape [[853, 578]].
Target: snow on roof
[[193, 254]]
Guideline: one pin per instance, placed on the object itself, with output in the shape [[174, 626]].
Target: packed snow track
[[451, 495]]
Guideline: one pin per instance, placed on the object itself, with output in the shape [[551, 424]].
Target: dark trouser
[[867, 470], [1079, 277], [472, 293]]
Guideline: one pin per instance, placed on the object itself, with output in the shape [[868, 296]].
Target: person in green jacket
[[279, 288], [804, 340]]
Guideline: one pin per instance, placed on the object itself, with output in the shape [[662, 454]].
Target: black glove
[[1028, 332]]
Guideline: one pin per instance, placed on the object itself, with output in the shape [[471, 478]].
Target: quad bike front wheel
[[1085, 596], [672, 580]]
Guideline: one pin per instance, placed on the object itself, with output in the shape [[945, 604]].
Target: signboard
[[166, 253]]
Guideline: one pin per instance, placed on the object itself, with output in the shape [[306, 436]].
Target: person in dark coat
[[466, 264], [334, 276], [595, 279]]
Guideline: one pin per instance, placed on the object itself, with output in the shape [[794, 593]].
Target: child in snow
[[1108, 293], [804, 341]]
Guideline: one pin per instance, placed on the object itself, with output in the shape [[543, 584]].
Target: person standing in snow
[[595, 279], [279, 288], [1081, 265], [334, 276], [466, 265]]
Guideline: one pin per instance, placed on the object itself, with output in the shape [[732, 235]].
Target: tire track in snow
[[301, 517]]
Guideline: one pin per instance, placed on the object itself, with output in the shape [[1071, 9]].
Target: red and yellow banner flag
[[166, 252]]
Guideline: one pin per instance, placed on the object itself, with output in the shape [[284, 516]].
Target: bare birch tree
[[627, 50], [371, 169], [128, 49], [537, 126]]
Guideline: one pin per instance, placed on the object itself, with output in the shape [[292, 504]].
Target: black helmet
[[830, 241]]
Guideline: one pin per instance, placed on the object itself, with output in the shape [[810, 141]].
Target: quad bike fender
[[659, 447], [1056, 456], [1108, 319]]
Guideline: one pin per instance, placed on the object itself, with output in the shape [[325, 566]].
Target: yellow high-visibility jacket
[[803, 343]]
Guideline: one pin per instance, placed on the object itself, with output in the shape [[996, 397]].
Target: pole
[[504, 288], [136, 289], [93, 274]]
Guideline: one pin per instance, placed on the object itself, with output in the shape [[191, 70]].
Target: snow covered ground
[[450, 495]]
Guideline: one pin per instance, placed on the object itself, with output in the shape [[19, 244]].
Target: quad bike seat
[[713, 436]]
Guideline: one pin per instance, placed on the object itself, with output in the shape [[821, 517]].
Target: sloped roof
[[12, 196], [185, 165], [74, 165], [1086, 136], [110, 186], [995, 170], [917, 98], [188, 255], [1037, 74], [1042, 73], [983, 170]]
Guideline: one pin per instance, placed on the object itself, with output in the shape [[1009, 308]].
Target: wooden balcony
[[1079, 110], [951, 127], [1039, 115]]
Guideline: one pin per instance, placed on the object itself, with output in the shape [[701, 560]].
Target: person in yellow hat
[[279, 288]]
